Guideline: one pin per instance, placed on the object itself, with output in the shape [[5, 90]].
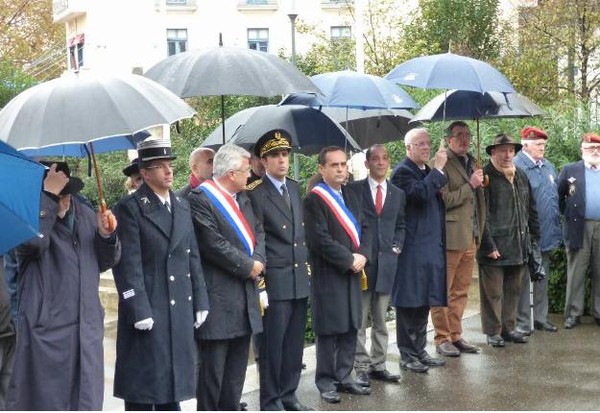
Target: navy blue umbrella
[[20, 190], [450, 71]]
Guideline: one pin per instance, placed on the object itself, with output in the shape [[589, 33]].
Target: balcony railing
[[64, 10], [258, 4]]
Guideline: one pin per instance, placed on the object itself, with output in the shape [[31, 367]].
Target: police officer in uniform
[[277, 205]]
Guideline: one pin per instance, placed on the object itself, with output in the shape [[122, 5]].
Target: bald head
[[201, 163]]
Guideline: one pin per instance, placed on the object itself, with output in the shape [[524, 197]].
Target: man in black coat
[[383, 207], [232, 246], [276, 203], [339, 246], [201, 167], [162, 294]]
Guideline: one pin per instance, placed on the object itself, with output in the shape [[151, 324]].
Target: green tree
[[12, 82]]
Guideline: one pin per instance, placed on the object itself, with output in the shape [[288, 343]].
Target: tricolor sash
[[343, 214], [229, 209]]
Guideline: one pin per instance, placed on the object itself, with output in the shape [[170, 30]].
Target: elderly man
[[383, 207], [511, 225], [579, 196], [59, 359], [277, 205], [339, 247], [201, 167], [465, 218], [232, 245], [542, 177], [161, 287], [421, 275]]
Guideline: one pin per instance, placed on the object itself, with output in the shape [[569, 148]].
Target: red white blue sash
[[230, 210], [343, 214]]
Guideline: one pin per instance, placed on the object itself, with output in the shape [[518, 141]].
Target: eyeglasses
[[591, 148], [462, 136], [162, 166]]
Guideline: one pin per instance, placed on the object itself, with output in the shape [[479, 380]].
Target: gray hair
[[228, 158], [411, 134]]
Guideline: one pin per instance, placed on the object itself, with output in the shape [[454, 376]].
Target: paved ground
[[552, 372]]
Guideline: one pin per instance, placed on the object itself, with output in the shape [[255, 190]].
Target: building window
[[340, 32], [258, 39], [76, 44], [176, 41]]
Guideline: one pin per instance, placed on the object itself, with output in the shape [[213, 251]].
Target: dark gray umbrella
[[229, 71], [311, 130]]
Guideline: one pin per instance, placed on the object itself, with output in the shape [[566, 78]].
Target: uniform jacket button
[[172, 302], [172, 278]]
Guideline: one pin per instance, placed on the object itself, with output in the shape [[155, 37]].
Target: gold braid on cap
[[278, 142]]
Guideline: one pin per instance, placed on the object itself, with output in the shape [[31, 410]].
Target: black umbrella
[[222, 70]]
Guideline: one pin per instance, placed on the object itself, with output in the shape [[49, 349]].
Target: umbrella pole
[[223, 116], [486, 179], [103, 208]]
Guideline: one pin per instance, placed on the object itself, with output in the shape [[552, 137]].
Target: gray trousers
[[7, 356], [499, 289], [578, 263], [374, 304], [540, 298]]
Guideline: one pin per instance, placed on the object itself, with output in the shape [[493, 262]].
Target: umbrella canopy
[[82, 108], [20, 191], [367, 127], [226, 70], [465, 105], [361, 91], [450, 71], [311, 130]]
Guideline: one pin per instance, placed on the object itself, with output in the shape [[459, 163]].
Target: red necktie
[[378, 200]]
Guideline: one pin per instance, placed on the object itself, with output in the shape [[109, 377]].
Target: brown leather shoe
[[465, 347], [447, 349]]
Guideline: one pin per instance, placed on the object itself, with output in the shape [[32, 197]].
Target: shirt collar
[[533, 161], [373, 184], [277, 183]]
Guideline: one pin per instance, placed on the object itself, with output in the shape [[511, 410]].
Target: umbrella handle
[[112, 221]]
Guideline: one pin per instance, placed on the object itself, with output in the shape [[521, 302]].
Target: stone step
[[106, 279]]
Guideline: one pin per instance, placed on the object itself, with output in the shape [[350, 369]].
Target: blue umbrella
[[20, 190], [450, 71], [350, 89]]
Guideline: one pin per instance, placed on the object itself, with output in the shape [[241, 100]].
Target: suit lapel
[[276, 199], [153, 210], [456, 163]]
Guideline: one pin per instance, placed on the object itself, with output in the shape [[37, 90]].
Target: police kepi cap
[[533, 133], [154, 148], [503, 139], [273, 140]]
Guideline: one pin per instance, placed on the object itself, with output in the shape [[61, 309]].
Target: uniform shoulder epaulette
[[253, 185]]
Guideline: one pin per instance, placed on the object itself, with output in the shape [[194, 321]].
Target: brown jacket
[[462, 202]]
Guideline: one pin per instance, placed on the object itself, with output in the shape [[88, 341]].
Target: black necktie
[[286, 196], [168, 206]]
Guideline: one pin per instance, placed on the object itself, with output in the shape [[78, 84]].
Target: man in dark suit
[[579, 200], [232, 247], [339, 246], [201, 167], [421, 277], [276, 203], [161, 287], [383, 208]]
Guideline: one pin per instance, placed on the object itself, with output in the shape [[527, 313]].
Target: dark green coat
[[511, 221]]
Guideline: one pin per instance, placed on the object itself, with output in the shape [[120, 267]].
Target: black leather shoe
[[427, 360], [597, 321], [243, 406], [362, 379], [465, 347], [495, 340], [414, 366], [514, 337], [547, 326], [331, 397], [384, 375], [297, 407], [353, 388], [571, 322]]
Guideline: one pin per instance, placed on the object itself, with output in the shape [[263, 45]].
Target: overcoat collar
[[456, 163]]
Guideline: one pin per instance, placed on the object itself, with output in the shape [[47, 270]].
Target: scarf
[[194, 182], [509, 173]]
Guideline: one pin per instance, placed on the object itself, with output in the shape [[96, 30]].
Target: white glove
[[145, 324], [264, 299], [200, 318]]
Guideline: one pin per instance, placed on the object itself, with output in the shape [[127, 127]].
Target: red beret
[[591, 138], [533, 133]]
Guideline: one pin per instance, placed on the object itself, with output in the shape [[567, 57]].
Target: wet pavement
[[554, 371]]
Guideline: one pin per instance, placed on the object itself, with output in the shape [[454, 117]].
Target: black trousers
[[411, 332], [335, 359], [281, 351], [167, 407], [222, 371]]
